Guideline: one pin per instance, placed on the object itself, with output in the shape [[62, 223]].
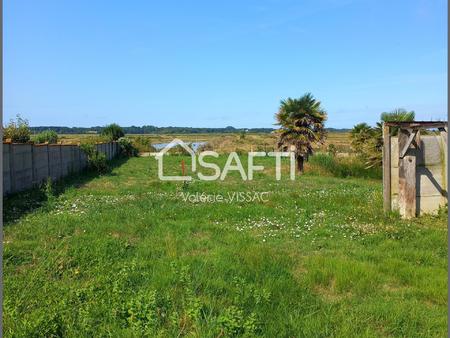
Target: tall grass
[[342, 167]]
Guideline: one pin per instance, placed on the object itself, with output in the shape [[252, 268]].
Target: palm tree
[[359, 136], [374, 147], [396, 115], [301, 124]]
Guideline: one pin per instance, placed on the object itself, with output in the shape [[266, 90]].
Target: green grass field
[[124, 254]]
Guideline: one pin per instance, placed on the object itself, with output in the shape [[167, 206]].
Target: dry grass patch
[[330, 294]]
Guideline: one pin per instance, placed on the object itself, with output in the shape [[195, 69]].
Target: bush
[[47, 136], [143, 144], [126, 147], [113, 132], [17, 131], [96, 160]]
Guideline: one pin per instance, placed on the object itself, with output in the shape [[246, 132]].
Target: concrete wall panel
[[430, 204], [40, 164], [76, 159], [394, 152], [6, 169], [55, 168], [431, 152], [66, 160], [430, 181], [22, 164], [83, 160], [25, 165]]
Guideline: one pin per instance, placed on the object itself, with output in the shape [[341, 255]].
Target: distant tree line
[[159, 130], [150, 130]]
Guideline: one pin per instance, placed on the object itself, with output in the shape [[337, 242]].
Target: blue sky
[[220, 63]]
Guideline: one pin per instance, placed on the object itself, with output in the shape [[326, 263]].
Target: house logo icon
[[160, 155], [233, 163]]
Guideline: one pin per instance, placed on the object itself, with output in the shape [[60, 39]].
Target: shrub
[[18, 131], [126, 147], [87, 148], [96, 160], [113, 132], [143, 144], [49, 136]]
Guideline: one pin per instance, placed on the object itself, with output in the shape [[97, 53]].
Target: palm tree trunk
[[300, 161]]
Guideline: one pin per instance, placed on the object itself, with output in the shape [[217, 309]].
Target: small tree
[[49, 136], [302, 124], [113, 132], [18, 131]]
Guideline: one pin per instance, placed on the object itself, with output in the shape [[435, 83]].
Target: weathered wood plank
[[405, 147], [407, 178], [386, 169], [417, 124]]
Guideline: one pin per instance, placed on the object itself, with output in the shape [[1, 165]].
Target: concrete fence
[[27, 165]]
